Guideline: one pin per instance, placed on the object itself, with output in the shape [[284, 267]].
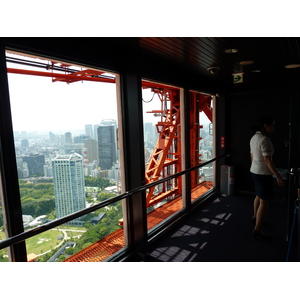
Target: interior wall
[[243, 111]]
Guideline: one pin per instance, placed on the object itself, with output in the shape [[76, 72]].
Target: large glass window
[[201, 142], [65, 132]]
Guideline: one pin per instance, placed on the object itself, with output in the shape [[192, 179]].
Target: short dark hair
[[265, 120], [261, 122]]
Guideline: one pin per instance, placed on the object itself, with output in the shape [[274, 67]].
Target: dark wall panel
[[243, 112]]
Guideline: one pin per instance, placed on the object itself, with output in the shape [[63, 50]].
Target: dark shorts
[[263, 186]]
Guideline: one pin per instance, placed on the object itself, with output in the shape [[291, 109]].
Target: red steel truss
[[165, 159]]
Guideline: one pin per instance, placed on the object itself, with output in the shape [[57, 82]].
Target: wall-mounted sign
[[238, 78], [222, 141]]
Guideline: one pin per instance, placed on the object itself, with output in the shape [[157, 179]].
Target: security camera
[[213, 70]]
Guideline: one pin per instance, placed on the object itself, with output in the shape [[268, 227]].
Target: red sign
[[222, 141]]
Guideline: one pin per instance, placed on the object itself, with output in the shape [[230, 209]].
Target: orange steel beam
[[59, 75], [79, 75], [157, 87], [205, 106]]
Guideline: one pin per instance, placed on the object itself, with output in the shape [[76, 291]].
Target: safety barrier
[[45, 227]]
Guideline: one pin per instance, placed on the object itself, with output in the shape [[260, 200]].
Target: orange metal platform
[[114, 242]]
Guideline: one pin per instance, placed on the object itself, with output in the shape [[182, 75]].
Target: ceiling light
[[231, 50], [292, 66], [213, 69], [256, 71], [246, 62]]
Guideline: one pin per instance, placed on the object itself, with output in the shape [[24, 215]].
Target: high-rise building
[[96, 131], [106, 147], [150, 133], [24, 143], [68, 138], [80, 138], [89, 130], [35, 163], [112, 122], [71, 148], [51, 136], [92, 149], [48, 171], [108, 122], [69, 188]]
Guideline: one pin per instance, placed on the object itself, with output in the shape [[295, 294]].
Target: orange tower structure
[[165, 159]]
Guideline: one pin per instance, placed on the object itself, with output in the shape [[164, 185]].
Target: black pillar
[[134, 215], [185, 146], [11, 204]]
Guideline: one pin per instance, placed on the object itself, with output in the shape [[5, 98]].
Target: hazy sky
[[38, 104]]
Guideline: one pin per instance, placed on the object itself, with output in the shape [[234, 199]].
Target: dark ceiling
[[270, 55], [187, 55]]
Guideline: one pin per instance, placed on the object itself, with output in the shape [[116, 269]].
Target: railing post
[[185, 146]]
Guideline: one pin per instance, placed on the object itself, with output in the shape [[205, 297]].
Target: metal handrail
[[42, 228]]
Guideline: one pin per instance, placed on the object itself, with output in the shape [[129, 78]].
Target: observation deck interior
[[211, 226]]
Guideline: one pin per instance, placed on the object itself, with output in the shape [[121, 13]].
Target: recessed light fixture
[[292, 66], [213, 69], [231, 50], [246, 62]]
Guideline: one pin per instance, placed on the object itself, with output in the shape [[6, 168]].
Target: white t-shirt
[[260, 146]]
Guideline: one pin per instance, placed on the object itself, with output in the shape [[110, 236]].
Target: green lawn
[[2, 235], [43, 242], [90, 189], [47, 240], [71, 227]]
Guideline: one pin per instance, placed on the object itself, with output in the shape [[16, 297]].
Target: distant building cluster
[[98, 146], [29, 164], [67, 159]]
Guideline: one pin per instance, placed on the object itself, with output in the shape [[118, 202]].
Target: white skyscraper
[[68, 178]]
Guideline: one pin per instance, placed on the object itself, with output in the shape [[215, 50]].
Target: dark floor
[[221, 231]]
